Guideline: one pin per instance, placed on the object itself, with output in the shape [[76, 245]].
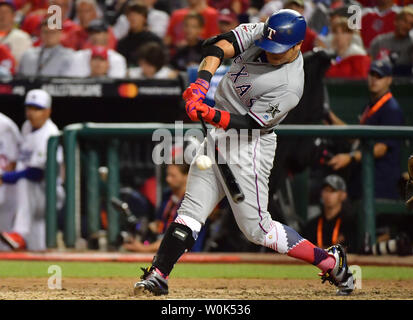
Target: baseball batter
[[9, 146], [29, 226], [265, 81]]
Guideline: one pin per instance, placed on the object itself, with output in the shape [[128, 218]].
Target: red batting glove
[[208, 114], [206, 111], [196, 91], [190, 108]]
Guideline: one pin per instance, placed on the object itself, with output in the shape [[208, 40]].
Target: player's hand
[[196, 91], [340, 161], [190, 108], [205, 110], [134, 246]]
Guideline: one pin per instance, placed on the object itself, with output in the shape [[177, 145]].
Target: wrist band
[[205, 75]]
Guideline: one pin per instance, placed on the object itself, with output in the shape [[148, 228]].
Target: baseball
[[203, 162]]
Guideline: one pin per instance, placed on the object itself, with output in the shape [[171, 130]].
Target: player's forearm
[[213, 56], [379, 150], [238, 121]]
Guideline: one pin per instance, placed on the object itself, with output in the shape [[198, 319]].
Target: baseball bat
[[229, 179]]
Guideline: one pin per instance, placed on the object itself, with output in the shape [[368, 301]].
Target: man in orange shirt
[[175, 35]]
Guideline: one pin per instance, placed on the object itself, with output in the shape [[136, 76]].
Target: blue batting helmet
[[282, 30]]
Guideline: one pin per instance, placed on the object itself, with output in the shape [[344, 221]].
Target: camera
[[323, 155]]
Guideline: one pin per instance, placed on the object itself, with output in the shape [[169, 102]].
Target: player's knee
[[281, 238], [191, 223], [255, 235]]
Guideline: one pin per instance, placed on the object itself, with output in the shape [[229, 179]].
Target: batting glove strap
[[218, 118]]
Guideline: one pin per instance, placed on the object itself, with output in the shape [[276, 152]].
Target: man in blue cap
[[383, 110], [265, 81]]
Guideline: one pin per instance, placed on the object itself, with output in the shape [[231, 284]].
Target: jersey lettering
[[239, 74], [238, 59], [251, 103], [243, 89]]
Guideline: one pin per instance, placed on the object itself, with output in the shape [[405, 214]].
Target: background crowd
[[157, 39]]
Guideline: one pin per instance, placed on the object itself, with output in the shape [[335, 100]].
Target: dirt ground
[[243, 289]]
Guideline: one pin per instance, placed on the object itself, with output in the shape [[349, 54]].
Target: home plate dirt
[[244, 289]]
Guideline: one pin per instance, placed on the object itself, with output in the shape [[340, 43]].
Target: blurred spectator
[[99, 62], [98, 33], [17, 40], [310, 35], [176, 176], [29, 225], [158, 20], [7, 61], [151, 63], [32, 22], [319, 20], [383, 110], [86, 11], [175, 36], [352, 60], [227, 21], [335, 16], [9, 149], [191, 54], [269, 7], [49, 60], [236, 6], [396, 46], [31, 6], [138, 34], [98, 36], [378, 20], [274, 5], [335, 224]]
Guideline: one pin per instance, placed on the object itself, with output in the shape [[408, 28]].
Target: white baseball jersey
[[265, 92], [30, 214], [9, 146], [33, 151]]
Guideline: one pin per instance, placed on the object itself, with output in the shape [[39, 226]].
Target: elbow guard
[[210, 42]]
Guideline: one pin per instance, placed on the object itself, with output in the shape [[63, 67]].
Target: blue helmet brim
[[272, 46]]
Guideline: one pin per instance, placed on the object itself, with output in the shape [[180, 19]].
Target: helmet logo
[[271, 33]]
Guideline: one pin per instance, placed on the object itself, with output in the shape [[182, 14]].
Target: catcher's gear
[[196, 91], [409, 184], [152, 282], [340, 275], [282, 30]]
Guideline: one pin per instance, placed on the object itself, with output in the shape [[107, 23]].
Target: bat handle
[[202, 123]]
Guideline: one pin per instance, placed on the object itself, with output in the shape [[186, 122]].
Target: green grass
[[185, 270]]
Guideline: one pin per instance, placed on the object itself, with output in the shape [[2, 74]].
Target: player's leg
[[36, 239], [7, 211], [256, 223], [25, 210], [203, 193]]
